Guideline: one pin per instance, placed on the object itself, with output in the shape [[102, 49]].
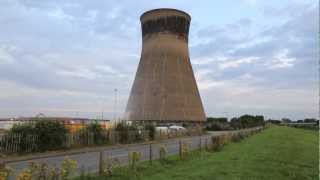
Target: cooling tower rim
[[163, 10]]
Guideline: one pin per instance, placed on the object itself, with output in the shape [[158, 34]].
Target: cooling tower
[[165, 88]]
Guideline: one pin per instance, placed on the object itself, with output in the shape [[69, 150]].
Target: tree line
[[244, 121]]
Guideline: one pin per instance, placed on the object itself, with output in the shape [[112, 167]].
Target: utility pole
[[102, 108], [227, 115], [115, 104]]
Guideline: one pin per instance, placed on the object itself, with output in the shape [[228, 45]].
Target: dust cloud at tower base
[[165, 89]]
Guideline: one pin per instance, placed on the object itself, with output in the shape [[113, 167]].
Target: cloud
[[262, 70], [5, 55], [59, 57], [208, 60], [80, 73], [239, 96], [281, 60], [237, 63]]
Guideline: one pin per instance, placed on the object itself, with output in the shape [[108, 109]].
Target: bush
[[52, 134], [21, 130], [109, 164], [127, 133], [134, 158], [96, 130], [162, 153], [184, 151], [41, 171], [68, 168], [218, 126], [247, 121], [220, 119], [236, 137], [152, 131], [217, 143], [5, 173]]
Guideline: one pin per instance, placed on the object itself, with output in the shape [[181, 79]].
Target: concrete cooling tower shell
[[165, 88]]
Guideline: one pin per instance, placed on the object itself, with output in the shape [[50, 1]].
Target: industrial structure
[[165, 89]]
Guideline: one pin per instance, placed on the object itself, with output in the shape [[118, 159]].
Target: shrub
[[218, 126], [19, 132], [5, 173], [123, 130], [152, 131], [52, 134], [247, 121], [241, 135], [25, 175], [217, 143], [109, 164], [38, 170], [227, 138], [236, 137], [134, 158], [127, 133], [68, 167], [163, 152], [219, 119], [184, 150], [24, 129], [96, 130], [54, 173]]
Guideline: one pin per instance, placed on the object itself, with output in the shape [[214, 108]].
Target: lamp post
[[115, 104], [226, 114]]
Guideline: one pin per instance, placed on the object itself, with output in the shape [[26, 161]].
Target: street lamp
[[115, 104]]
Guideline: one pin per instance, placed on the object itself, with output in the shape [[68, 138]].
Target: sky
[[66, 58]]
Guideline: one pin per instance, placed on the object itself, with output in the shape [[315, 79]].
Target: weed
[[163, 153]]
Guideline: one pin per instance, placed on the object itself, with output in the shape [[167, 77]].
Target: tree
[[24, 131], [125, 131], [152, 131], [247, 121], [217, 124], [273, 121], [96, 130], [309, 120], [219, 119], [52, 134], [286, 120]]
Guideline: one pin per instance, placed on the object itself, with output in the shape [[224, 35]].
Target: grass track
[[278, 153]]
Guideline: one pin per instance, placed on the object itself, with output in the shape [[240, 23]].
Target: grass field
[[278, 153]]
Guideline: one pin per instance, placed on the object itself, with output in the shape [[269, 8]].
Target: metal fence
[[21, 143], [90, 161], [13, 143]]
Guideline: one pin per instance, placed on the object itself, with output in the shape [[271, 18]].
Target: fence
[[90, 161], [13, 143], [21, 143]]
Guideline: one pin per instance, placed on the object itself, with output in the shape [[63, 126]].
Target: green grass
[[278, 153]]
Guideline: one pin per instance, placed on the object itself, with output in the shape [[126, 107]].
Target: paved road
[[89, 161]]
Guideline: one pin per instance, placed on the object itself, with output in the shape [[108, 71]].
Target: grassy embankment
[[278, 153]]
